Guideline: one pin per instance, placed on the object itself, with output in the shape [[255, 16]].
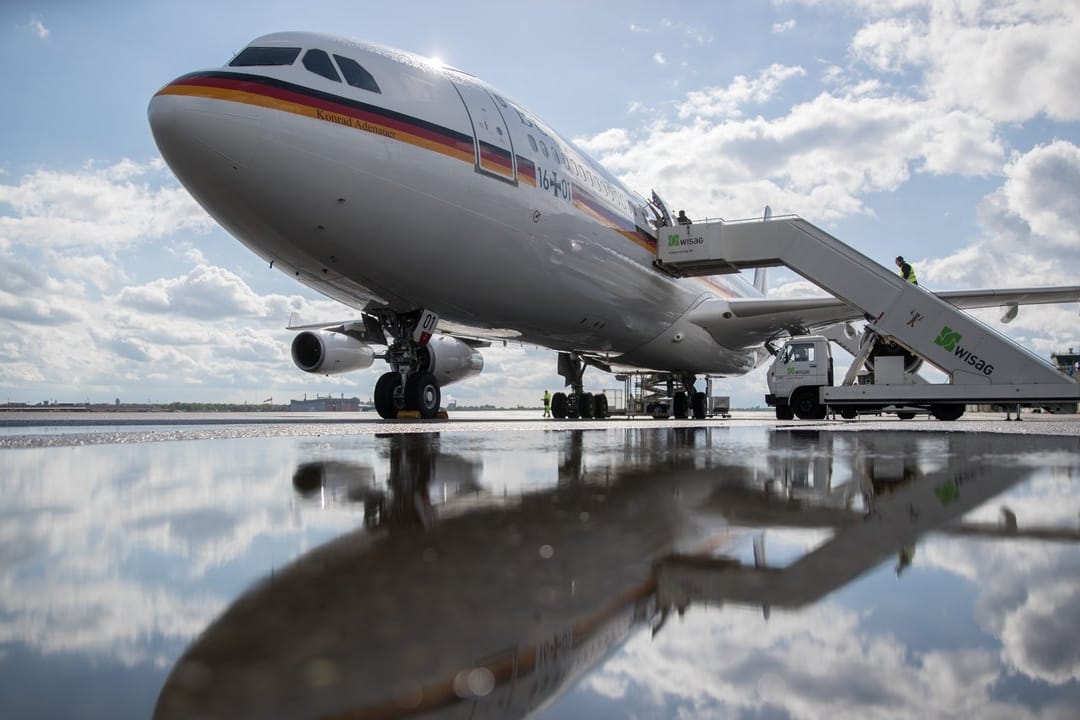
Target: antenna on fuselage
[[761, 280]]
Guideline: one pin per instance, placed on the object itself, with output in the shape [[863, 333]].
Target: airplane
[[449, 216]]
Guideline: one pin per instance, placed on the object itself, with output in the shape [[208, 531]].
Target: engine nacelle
[[330, 353], [450, 360]]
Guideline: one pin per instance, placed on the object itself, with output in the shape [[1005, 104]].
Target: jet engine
[[450, 360], [330, 353]]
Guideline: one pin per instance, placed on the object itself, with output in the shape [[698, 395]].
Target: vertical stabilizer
[[761, 280]]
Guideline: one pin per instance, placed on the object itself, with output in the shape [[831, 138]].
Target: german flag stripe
[[288, 97], [496, 159], [526, 171]]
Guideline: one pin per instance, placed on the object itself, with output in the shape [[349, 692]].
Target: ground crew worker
[[905, 270], [683, 219], [547, 404]]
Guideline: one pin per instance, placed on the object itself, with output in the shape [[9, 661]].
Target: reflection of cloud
[[816, 663], [1040, 635], [114, 550]]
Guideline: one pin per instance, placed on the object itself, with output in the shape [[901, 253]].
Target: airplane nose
[[203, 136]]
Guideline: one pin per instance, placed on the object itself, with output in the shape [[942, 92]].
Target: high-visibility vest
[[908, 273]]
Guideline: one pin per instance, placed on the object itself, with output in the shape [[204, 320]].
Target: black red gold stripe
[[300, 100]]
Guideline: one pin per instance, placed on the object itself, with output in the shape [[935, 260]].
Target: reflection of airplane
[[494, 612], [421, 479], [412, 192]]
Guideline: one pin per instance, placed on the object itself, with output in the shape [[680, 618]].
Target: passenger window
[[253, 56], [318, 62], [555, 154], [543, 148], [532, 143], [356, 75]]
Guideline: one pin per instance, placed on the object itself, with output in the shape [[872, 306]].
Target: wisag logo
[[674, 240], [949, 340]]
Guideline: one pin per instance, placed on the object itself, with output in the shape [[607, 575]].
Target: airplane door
[[494, 150]]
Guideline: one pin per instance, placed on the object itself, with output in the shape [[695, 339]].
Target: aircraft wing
[[367, 330], [763, 318]]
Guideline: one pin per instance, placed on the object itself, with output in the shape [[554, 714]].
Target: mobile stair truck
[[981, 364]]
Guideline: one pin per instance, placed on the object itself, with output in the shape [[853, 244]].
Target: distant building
[[325, 404]]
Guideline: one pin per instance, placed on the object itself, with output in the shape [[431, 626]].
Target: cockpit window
[[318, 62], [265, 56], [356, 75]]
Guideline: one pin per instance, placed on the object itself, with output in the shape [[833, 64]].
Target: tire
[[587, 406], [385, 404], [422, 394], [601, 407], [573, 402], [558, 406], [806, 406], [680, 406], [784, 412], [699, 405], [849, 413], [906, 415], [947, 413]]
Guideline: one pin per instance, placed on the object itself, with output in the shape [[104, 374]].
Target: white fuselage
[[435, 192]]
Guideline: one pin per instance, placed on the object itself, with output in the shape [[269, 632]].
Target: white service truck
[[801, 385]]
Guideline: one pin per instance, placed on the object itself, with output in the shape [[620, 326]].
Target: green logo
[[673, 240], [948, 338]]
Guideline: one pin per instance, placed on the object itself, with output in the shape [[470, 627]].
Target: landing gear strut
[[408, 386]]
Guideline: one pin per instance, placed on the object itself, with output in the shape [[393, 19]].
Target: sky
[[946, 131]]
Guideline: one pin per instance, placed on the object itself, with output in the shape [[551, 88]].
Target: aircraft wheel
[[385, 404], [806, 406], [784, 412], [558, 406], [679, 405], [601, 407], [947, 413], [573, 402], [587, 405], [699, 405], [422, 393]]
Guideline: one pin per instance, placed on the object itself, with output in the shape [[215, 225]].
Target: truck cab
[[800, 369]]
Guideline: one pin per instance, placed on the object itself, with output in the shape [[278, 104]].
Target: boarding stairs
[[982, 364]]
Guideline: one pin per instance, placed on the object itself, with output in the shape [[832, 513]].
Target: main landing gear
[[577, 403], [688, 401], [408, 386]]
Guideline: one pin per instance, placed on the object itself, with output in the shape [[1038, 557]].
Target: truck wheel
[[948, 413], [784, 412], [806, 406], [906, 415], [849, 413]]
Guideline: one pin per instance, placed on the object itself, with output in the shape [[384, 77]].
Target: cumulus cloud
[[1029, 232], [727, 101], [205, 293], [107, 208]]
